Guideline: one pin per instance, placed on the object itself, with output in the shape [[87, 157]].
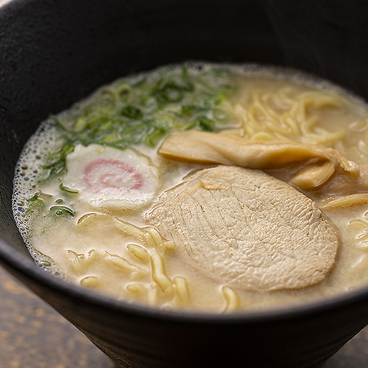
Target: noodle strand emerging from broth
[[232, 299], [182, 290]]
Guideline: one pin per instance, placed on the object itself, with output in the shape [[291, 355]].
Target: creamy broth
[[107, 244]]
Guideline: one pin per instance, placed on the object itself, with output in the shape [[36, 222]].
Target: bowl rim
[[25, 266]]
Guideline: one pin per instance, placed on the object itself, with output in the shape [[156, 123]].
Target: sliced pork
[[247, 229]]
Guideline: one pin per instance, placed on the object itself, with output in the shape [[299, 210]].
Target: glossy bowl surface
[[55, 53]]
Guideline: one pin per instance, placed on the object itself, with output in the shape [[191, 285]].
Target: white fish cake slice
[[247, 229], [111, 178]]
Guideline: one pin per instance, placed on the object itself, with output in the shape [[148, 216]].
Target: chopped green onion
[[34, 197], [169, 93], [68, 190], [35, 205], [59, 210], [132, 112], [80, 124], [205, 124]]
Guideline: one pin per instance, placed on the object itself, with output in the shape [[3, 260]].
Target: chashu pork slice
[[247, 229]]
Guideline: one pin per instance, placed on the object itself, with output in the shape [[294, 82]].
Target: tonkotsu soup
[[202, 187]]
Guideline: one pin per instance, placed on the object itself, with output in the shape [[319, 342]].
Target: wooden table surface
[[33, 335]]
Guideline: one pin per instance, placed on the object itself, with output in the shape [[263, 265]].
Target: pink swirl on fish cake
[[111, 180]]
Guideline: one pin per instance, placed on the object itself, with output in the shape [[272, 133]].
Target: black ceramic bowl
[[53, 53]]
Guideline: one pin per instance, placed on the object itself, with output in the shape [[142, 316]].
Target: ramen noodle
[[202, 187]]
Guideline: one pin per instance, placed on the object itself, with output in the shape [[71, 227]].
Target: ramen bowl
[[55, 53]]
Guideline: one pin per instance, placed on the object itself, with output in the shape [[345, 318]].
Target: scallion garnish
[[60, 210], [68, 190], [134, 112]]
